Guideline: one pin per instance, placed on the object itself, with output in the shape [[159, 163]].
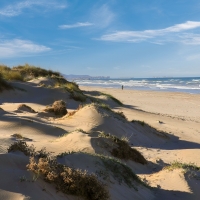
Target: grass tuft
[[24, 107], [142, 123], [123, 150], [23, 147], [185, 166], [58, 108], [113, 98]]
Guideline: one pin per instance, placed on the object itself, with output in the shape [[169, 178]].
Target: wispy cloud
[[17, 47], [102, 16], [16, 9], [76, 25], [157, 36]]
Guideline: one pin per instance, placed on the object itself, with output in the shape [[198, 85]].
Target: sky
[[116, 38]]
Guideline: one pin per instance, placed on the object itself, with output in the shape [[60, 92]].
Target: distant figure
[[122, 87]]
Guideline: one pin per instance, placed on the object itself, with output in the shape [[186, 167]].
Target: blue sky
[[118, 38]]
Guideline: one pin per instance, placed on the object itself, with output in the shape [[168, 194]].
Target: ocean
[[184, 84]]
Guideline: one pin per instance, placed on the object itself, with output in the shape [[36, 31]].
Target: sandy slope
[[177, 139]]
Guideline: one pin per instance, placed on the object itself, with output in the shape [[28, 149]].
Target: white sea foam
[[177, 84]]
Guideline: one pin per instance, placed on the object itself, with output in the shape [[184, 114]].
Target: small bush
[[78, 96], [23, 147], [68, 180], [58, 108], [123, 150]]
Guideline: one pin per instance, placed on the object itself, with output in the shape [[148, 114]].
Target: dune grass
[[113, 98], [142, 123], [33, 71], [3, 84], [26, 72], [185, 166], [123, 150]]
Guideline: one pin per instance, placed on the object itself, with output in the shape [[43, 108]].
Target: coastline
[[176, 104]]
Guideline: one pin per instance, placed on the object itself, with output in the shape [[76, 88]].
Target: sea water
[[186, 84]]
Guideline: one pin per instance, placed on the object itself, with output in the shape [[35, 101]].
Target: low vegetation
[[17, 136], [142, 123], [123, 150], [23, 147], [120, 172], [113, 98], [119, 115], [66, 179], [78, 96], [24, 107], [58, 108], [185, 166], [28, 71], [25, 72], [3, 84]]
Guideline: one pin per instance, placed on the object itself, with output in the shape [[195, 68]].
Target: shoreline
[[186, 105], [145, 90]]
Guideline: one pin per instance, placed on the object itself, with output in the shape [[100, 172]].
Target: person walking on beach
[[122, 87]]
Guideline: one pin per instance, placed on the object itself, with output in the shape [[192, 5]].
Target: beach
[[164, 127]]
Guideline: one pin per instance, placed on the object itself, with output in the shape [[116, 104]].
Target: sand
[[171, 133]]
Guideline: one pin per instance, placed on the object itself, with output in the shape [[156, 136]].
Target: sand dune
[[170, 132]]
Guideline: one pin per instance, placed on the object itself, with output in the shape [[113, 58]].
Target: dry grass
[[78, 96], [24, 107], [3, 84], [68, 180], [58, 108], [184, 166], [26, 72], [17, 136], [69, 114], [9, 74], [123, 150], [34, 72], [23, 147], [113, 98]]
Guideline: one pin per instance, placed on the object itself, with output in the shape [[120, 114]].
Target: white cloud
[[77, 25], [17, 47], [102, 16], [16, 9], [161, 35]]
